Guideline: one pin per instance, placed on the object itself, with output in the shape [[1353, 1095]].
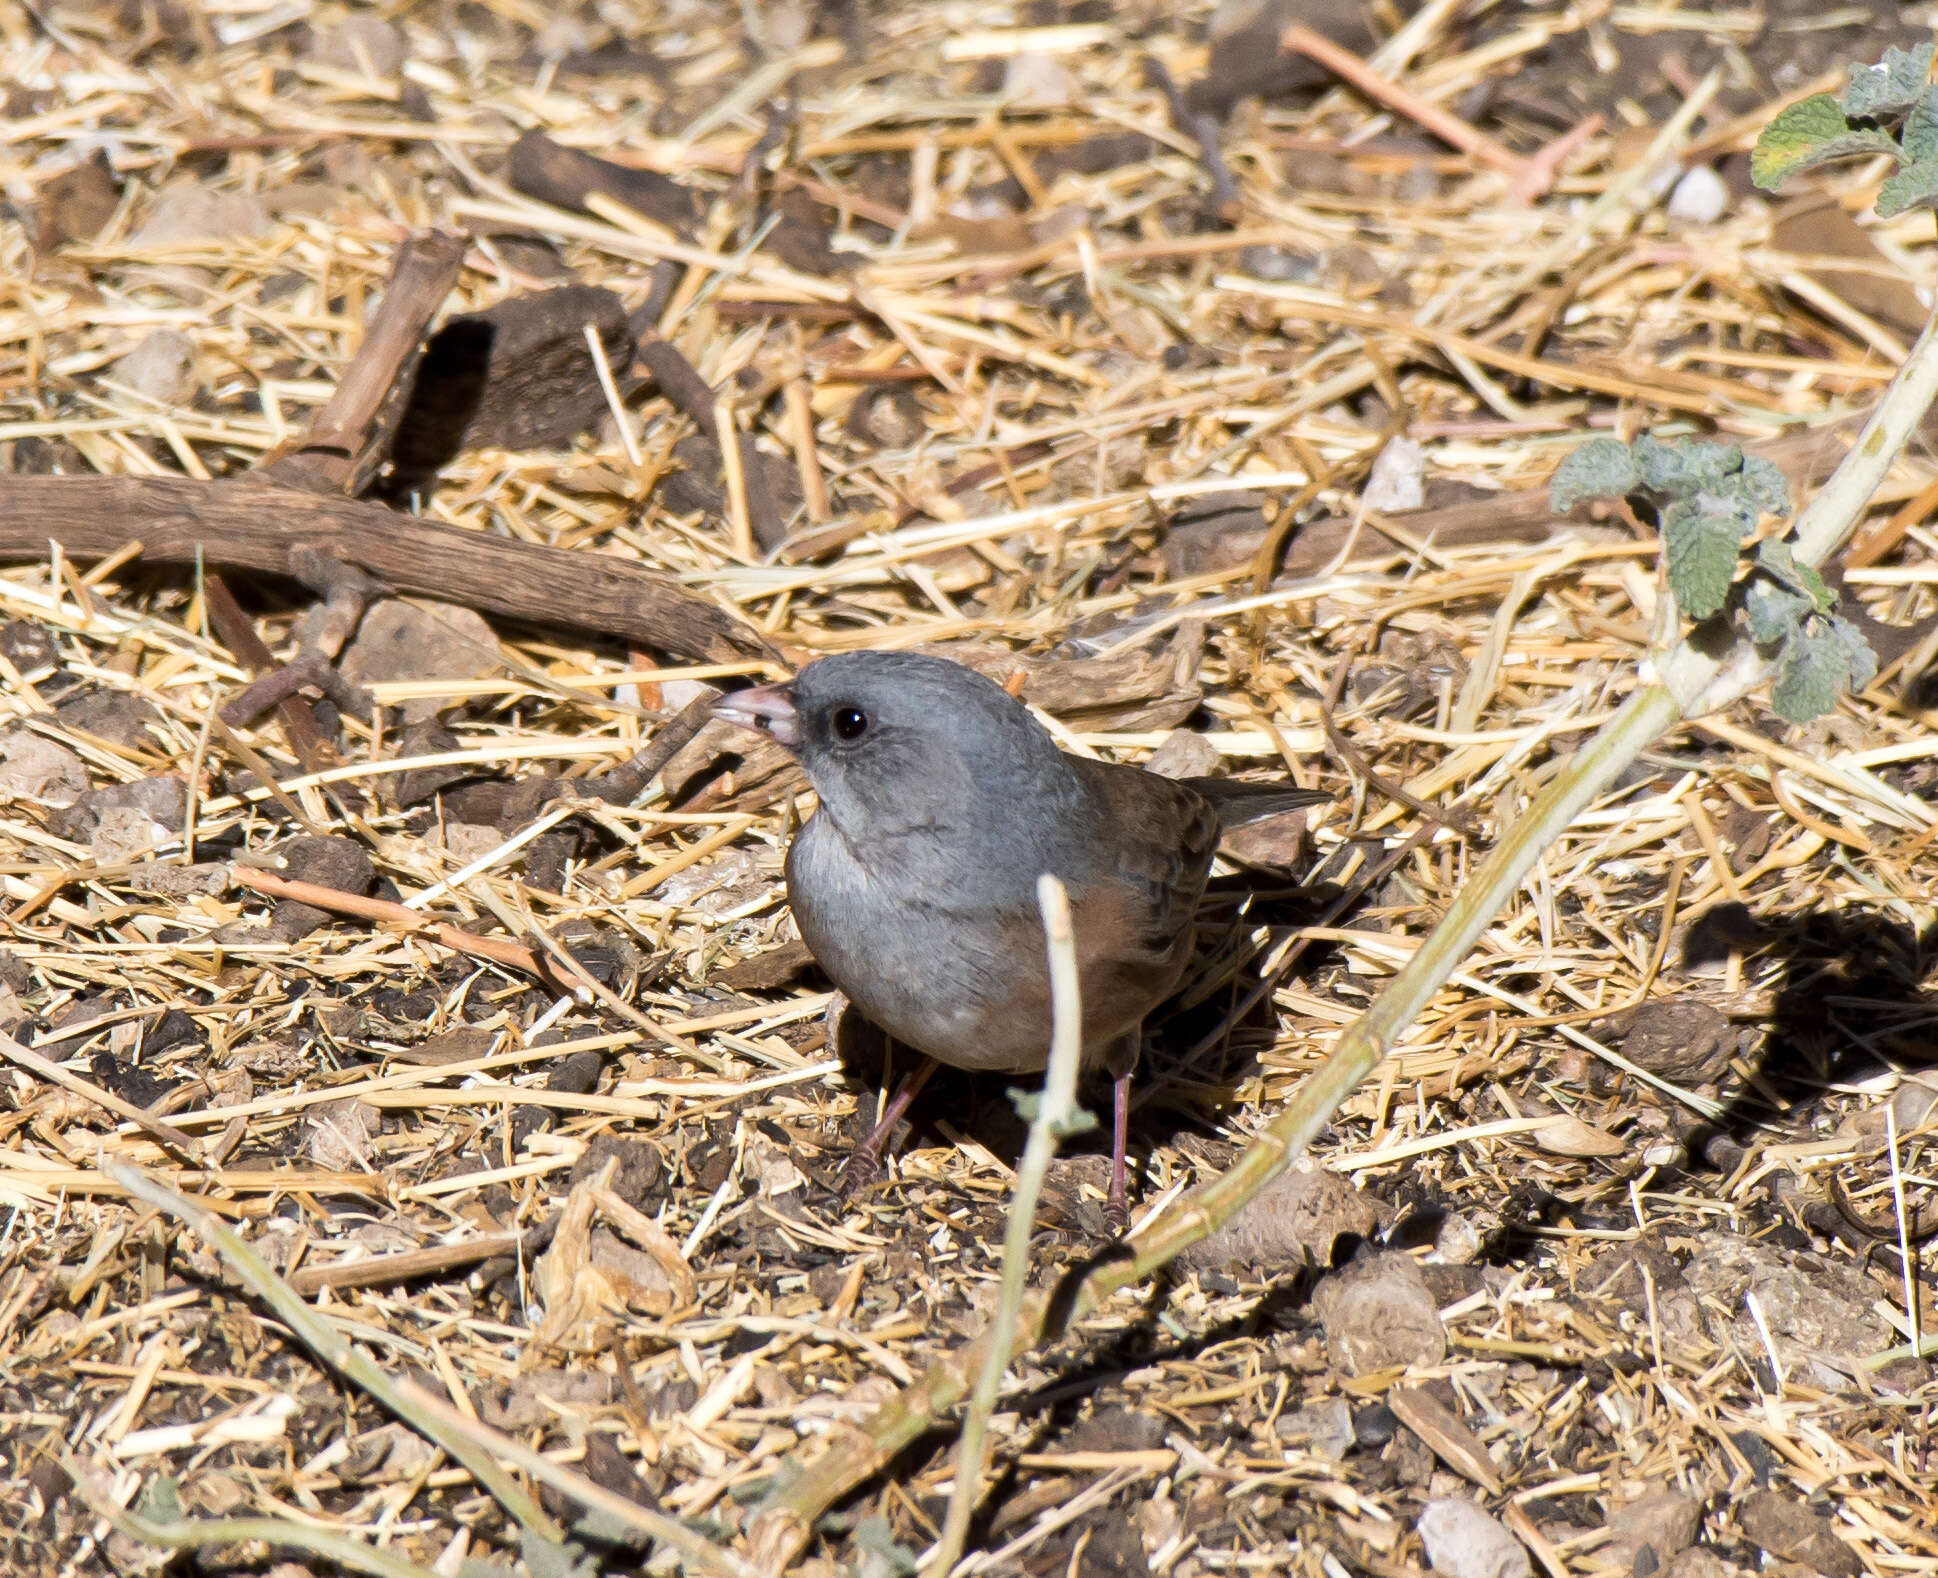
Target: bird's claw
[[860, 1172]]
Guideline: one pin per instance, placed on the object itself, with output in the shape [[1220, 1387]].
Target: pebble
[[1464, 1542], [1701, 197]]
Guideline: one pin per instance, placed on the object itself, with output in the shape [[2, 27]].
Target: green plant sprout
[[1887, 109], [1705, 499]]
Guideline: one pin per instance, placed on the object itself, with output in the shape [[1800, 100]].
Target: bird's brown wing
[[1155, 840]]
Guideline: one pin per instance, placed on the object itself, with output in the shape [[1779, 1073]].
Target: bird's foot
[[861, 1172], [1116, 1216]]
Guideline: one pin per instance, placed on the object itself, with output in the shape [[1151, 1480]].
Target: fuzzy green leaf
[[1602, 468], [881, 1556], [1774, 554], [549, 1559], [1028, 1103], [1699, 554], [1773, 610], [1684, 465], [1764, 485], [1810, 132], [1815, 668], [160, 1500], [1863, 661], [1918, 136], [1909, 186], [1889, 87]]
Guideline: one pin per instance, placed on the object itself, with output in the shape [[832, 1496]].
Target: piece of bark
[[801, 237], [517, 376], [350, 437], [763, 972], [1150, 688], [77, 204], [247, 524], [565, 177], [299, 723], [1245, 59]]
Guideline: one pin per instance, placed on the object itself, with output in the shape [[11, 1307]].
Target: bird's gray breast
[[918, 955]]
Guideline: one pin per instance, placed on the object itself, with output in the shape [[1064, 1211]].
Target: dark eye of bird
[[849, 723]]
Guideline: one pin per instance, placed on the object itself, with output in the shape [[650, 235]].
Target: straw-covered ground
[[1119, 350]]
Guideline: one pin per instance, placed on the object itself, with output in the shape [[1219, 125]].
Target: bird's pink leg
[[865, 1163], [1116, 1203]]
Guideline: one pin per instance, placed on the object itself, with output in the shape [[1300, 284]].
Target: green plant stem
[[471, 1443], [1056, 1111], [329, 1345], [201, 1533]]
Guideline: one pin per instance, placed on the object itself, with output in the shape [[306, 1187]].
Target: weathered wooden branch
[[253, 525]]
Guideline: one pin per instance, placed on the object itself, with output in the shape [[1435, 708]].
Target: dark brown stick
[[349, 437], [239, 636], [252, 525]]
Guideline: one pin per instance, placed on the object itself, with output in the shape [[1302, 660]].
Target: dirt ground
[[1127, 355]]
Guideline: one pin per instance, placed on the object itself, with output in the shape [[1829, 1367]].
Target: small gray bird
[[941, 801]]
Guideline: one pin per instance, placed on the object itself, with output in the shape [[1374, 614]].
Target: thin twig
[[1056, 1115]]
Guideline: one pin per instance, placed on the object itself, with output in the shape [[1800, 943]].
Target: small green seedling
[[1706, 499], [1888, 108]]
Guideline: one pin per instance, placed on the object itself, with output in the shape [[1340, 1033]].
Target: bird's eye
[[849, 723]]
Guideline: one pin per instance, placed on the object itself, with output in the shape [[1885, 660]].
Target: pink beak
[[769, 709]]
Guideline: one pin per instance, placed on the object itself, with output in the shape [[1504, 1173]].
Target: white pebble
[[1464, 1542], [1700, 197]]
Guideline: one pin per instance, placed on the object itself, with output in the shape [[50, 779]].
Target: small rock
[[1914, 1101], [726, 881], [178, 882], [337, 1134], [1276, 263], [411, 640], [38, 769], [187, 213], [464, 842], [1183, 754], [1458, 1242], [1295, 1220], [1377, 1313], [1699, 1561], [364, 46], [160, 368], [1213, 533], [28, 646], [1114, 1428], [1787, 1528], [1681, 1038], [1462, 1541], [1324, 1426], [1274, 843], [1701, 197], [161, 799], [1398, 480], [1817, 1310], [124, 833], [77, 204], [1374, 1425], [118, 716], [1665, 1521], [1036, 81]]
